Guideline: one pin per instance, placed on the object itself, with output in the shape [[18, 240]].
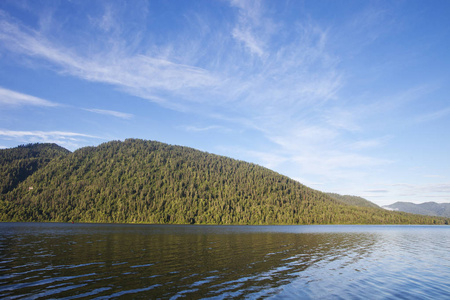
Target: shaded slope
[[151, 182], [16, 164]]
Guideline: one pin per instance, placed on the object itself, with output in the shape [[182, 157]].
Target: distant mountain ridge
[[427, 208], [138, 181]]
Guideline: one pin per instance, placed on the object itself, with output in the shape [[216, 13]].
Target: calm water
[[72, 261]]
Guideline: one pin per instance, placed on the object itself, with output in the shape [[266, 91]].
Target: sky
[[349, 97]]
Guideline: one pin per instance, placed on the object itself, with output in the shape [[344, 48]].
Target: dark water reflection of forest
[[168, 261]]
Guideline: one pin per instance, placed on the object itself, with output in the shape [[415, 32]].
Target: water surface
[[73, 261]]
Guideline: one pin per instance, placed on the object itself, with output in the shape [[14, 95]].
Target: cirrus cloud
[[113, 113], [16, 99]]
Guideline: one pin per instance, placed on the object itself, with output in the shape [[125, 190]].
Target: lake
[[103, 261]]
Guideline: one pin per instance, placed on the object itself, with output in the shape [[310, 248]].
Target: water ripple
[[112, 261]]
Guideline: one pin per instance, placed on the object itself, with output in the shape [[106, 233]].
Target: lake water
[[83, 261]]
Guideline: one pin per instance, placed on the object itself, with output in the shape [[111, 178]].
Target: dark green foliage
[[353, 200], [138, 181], [18, 163]]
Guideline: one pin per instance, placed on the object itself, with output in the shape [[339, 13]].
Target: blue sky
[[349, 97]]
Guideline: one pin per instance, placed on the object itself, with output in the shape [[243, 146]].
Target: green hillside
[[138, 181], [353, 200], [18, 163]]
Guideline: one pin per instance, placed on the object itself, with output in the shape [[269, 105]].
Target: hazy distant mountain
[[427, 208]]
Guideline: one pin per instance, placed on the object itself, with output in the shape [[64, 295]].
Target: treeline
[[138, 181]]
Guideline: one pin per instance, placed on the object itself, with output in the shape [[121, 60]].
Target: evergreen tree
[[138, 181]]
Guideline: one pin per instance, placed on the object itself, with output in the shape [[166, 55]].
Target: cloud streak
[[139, 74], [434, 115], [250, 28], [160, 78], [113, 113], [273, 77], [64, 138], [16, 99], [43, 134], [190, 128], [293, 80]]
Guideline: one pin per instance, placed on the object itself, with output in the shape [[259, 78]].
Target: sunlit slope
[[353, 200], [151, 182]]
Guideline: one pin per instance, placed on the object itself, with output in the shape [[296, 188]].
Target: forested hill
[[353, 200], [151, 182], [18, 163]]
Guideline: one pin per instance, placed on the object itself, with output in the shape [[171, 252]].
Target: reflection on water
[[153, 261]]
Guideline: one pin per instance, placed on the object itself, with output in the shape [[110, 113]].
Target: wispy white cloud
[[315, 90], [43, 134], [250, 41], [139, 74], [338, 164], [433, 176], [439, 192], [191, 128], [251, 29], [340, 118], [435, 188], [434, 115], [292, 80], [264, 158], [71, 140], [15, 99], [369, 143], [113, 113], [377, 191], [279, 89], [392, 102], [297, 74], [106, 21], [267, 159], [366, 26]]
